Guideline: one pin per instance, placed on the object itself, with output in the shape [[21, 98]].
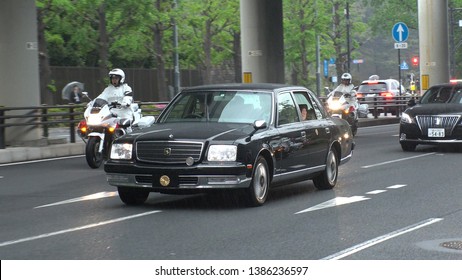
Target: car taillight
[[359, 95], [386, 95]]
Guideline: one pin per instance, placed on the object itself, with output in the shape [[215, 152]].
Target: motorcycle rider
[[347, 87], [120, 92]]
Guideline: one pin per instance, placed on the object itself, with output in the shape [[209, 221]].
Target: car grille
[[168, 151], [448, 122], [182, 180]]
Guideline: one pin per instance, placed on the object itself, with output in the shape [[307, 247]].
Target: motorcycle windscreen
[[99, 102]]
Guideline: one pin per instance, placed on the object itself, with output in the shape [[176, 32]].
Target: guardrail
[[46, 117]]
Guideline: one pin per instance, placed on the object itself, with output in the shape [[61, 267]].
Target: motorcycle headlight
[[222, 153], [122, 151], [335, 105], [94, 119], [405, 118]]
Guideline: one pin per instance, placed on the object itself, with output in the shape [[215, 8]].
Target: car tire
[[408, 147], [328, 178], [93, 157], [257, 193], [132, 196]]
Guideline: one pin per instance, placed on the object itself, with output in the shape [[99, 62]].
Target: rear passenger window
[[287, 112]]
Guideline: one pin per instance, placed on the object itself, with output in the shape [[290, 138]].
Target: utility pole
[[318, 57], [347, 13], [176, 71]]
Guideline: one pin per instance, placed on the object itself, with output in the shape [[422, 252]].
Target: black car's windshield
[[442, 95], [220, 106]]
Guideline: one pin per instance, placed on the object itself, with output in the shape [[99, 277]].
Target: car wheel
[[408, 147], [131, 196], [328, 178], [257, 193]]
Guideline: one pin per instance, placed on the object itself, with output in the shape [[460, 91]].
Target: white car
[[384, 92]]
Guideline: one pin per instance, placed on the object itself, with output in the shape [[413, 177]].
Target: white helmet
[[118, 72], [346, 76]]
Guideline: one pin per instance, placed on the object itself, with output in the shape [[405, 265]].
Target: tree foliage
[[138, 34]]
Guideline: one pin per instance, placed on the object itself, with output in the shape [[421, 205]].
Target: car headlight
[[222, 153], [405, 118], [121, 151]]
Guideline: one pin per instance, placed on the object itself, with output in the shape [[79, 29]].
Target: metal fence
[[46, 117], [385, 105]]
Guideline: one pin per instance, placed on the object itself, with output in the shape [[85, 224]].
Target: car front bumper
[[199, 178], [411, 133]]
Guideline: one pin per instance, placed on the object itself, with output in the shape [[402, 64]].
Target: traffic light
[[415, 61]]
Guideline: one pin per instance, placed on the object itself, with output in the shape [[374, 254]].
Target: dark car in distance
[[244, 137], [435, 119]]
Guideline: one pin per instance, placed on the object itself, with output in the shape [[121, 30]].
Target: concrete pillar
[[433, 42], [19, 70], [262, 41]]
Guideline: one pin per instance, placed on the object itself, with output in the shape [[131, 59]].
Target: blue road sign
[[404, 66], [326, 68], [400, 32]]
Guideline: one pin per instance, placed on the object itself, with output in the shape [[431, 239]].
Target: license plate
[[436, 132]]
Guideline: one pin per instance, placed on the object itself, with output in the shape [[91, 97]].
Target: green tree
[[207, 32]]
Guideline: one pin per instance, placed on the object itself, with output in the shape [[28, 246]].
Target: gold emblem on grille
[[164, 180]]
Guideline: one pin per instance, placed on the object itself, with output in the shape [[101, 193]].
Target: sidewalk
[[58, 145]]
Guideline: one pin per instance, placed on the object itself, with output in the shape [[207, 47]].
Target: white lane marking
[[372, 242], [1, 177], [82, 198], [346, 200], [376, 192], [334, 202], [39, 160], [397, 160], [11, 242], [396, 186]]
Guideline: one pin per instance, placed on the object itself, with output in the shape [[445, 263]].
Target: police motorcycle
[[103, 122], [344, 106]]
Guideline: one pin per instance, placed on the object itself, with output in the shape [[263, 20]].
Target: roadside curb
[[18, 154], [365, 122]]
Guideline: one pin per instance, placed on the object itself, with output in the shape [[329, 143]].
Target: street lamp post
[[176, 71]]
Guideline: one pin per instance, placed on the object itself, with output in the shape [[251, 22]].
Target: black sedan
[[244, 137], [435, 119]]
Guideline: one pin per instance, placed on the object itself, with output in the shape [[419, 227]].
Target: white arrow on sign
[[400, 30], [335, 202]]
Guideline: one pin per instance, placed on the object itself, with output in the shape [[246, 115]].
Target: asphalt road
[[388, 205]]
